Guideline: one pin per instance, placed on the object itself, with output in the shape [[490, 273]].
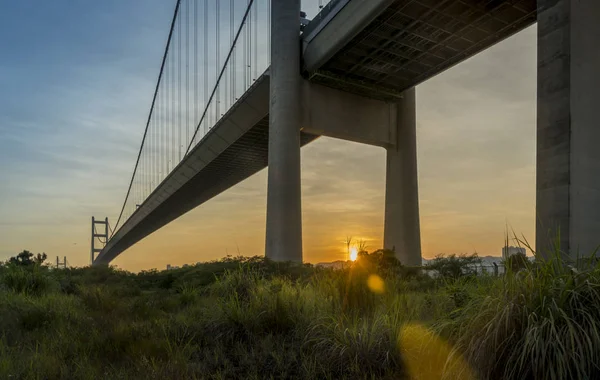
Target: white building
[[510, 251]]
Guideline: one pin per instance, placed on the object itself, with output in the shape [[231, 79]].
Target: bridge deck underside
[[413, 40], [247, 156]]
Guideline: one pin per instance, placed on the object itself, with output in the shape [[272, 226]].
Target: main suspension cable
[[162, 66]]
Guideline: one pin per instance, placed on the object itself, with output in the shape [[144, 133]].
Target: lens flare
[[429, 357], [376, 284]]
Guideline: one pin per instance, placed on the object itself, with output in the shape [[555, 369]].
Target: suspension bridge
[[244, 84]]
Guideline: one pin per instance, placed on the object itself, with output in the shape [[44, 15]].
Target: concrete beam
[[347, 23], [402, 230], [568, 133], [334, 113]]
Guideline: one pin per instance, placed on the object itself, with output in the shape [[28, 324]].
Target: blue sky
[[76, 81]]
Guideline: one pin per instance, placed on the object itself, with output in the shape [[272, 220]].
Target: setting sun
[[353, 253]]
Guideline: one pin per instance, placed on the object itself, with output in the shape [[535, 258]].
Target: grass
[[254, 319]]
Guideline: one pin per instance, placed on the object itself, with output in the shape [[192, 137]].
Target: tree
[[453, 266], [382, 261], [27, 258]]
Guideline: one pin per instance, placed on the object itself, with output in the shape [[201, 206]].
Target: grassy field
[[253, 319]]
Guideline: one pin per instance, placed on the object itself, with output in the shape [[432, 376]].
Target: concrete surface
[[568, 127]]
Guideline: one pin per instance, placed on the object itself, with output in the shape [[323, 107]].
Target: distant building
[[510, 251], [339, 264]]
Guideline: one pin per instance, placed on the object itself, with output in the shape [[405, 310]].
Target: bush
[[69, 285], [453, 266], [382, 262], [32, 280]]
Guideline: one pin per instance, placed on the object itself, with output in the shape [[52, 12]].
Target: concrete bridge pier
[[402, 230], [284, 214], [568, 127]]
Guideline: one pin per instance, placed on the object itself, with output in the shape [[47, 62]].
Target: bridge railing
[[215, 50]]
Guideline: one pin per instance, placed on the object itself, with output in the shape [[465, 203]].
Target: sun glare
[[353, 253]]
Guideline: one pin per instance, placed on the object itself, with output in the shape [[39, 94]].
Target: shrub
[[32, 280], [382, 262], [69, 285], [453, 266]]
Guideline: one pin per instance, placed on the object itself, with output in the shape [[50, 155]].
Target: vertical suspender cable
[[179, 102], [231, 33], [167, 119], [172, 125], [249, 56], [250, 34], [145, 167], [162, 129], [168, 114], [195, 120], [255, 74], [187, 72], [157, 123], [148, 149], [205, 58], [174, 107], [225, 95], [153, 152], [245, 49], [250, 2], [218, 55], [174, 110], [269, 32]]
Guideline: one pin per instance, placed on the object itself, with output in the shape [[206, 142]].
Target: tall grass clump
[[541, 323]]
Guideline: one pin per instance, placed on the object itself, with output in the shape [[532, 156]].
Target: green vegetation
[[253, 319], [517, 262]]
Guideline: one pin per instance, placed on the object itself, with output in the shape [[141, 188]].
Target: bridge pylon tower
[[96, 235], [62, 264]]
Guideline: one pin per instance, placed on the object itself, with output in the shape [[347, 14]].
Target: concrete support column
[[401, 230], [284, 212], [568, 127]]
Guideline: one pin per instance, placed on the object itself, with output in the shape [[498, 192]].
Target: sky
[[76, 83]]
